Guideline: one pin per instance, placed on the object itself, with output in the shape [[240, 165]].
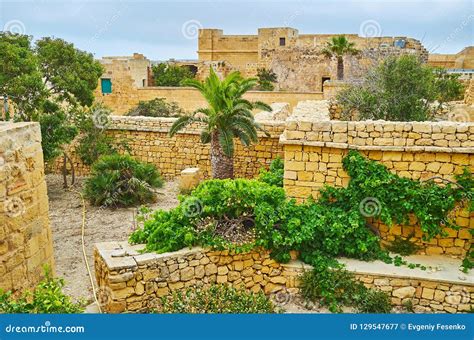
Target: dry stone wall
[[134, 282], [420, 150], [149, 141], [25, 234]]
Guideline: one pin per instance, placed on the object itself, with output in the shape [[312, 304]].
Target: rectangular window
[[324, 79], [282, 41], [106, 85]]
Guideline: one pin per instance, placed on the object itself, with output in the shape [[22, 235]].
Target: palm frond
[[205, 137], [180, 123]]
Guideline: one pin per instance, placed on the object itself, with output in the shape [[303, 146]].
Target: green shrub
[[157, 107], [94, 142], [210, 202], [334, 225], [273, 176], [336, 287], [403, 246], [400, 89], [56, 131], [266, 79], [120, 180], [216, 299], [47, 297]]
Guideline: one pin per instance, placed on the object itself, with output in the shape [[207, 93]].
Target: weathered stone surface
[[211, 269], [404, 292], [187, 274]]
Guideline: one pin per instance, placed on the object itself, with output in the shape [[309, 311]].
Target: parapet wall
[[129, 281], [25, 234], [420, 150], [126, 96]]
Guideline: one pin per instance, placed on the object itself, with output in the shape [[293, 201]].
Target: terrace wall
[[420, 150], [129, 281], [149, 141], [25, 234]]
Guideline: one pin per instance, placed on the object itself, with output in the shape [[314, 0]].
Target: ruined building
[[296, 59]]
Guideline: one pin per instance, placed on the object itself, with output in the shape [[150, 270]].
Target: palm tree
[[227, 116], [338, 47]]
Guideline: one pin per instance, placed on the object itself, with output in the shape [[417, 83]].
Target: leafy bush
[[273, 176], [56, 131], [210, 202], [120, 180], [403, 246], [336, 287], [216, 299], [266, 79], [47, 297], [157, 107], [94, 141], [170, 75], [334, 225], [399, 89]]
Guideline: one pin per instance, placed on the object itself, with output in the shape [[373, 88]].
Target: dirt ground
[[65, 211]]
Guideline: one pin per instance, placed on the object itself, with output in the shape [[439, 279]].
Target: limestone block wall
[[126, 96], [149, 141], [134, 282], [420, 150], [25, 234]]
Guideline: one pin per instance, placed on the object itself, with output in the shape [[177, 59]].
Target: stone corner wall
[[418, 150], [134, 282], [25, 234]]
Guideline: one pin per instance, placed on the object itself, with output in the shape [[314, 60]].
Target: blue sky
[[165, 29]]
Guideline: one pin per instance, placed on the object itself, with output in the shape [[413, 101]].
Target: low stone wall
[[149, 141], [420, 150], [25, 234], [126, 96], [129, 281]]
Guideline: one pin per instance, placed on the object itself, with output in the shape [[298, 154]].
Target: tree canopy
[[401, 89]]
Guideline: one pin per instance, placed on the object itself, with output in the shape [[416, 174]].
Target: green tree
[[170, 75], [51, 71], [227, 116], [20, 77], [337, 48], [399, 89], [49, 82], [70, 75]]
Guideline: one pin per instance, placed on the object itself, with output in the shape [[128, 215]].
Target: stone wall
[[25, 235], [125, 96], [129, 281], [149, 141], [420, 150]]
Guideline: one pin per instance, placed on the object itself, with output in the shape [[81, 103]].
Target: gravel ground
[[103, 224]]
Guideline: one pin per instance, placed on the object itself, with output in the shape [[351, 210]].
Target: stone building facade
[[296, 58]]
